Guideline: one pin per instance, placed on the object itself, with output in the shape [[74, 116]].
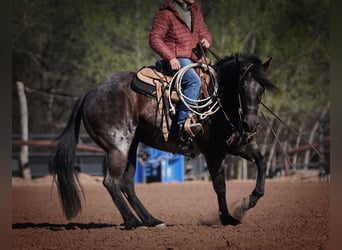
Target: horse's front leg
[[252, 153], [259, 189], [219, 183]]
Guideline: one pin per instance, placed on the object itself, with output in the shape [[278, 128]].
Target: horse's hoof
[[132, 225], [229, 220], [154, 223], [162, 225], [234, 222]]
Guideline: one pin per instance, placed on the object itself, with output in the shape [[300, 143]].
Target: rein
[[240, 110], [291, 129], [249, 66], [233, 136], [218, 58]]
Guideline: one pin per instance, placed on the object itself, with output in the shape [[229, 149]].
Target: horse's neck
[[229, 98], [229, 117], [226, 120]]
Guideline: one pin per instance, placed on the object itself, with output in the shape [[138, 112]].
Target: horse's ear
[[267, 63]]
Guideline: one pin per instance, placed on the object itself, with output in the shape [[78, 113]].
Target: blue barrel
[[154, 165]]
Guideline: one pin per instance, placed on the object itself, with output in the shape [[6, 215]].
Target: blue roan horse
[[117, 119]]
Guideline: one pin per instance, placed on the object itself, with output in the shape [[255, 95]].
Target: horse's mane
[[229, 69], [242, 57]]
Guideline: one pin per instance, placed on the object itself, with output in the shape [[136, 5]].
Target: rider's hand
[[174, 63], [204, 43]]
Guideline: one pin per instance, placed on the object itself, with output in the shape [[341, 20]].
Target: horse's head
[[251, 87], [242, 82]]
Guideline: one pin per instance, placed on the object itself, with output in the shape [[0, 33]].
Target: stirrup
[[192, 127], [184, 140]]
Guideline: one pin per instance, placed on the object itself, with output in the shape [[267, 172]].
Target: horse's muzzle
[[250, 123]]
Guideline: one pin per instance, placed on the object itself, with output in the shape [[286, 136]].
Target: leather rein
[[238, 133]]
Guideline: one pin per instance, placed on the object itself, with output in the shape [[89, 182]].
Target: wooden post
[[239, 170], [286, 162], [312, 135], [321, 141], [244, 169], [24, 152]]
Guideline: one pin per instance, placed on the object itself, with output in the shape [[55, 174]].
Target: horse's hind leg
[[129, 192], [116, 164], [144, 215]]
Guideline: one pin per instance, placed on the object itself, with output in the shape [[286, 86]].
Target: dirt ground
[[293, 214]]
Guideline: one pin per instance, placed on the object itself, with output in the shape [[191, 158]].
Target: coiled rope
[[202, 107]]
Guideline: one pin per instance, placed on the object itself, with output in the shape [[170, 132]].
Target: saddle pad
[[142, 87], [146, 79], [151, 74]]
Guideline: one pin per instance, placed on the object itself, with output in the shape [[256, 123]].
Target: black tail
[[62, 164]]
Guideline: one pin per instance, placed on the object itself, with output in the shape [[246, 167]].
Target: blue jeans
[[191, 84]]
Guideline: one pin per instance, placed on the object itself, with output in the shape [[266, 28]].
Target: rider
[[177, 30]]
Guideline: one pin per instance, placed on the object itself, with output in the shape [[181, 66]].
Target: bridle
[[242, 76], [239, 136]]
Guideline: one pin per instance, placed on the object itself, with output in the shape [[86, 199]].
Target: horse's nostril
[[250, 124], [246, 126]]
